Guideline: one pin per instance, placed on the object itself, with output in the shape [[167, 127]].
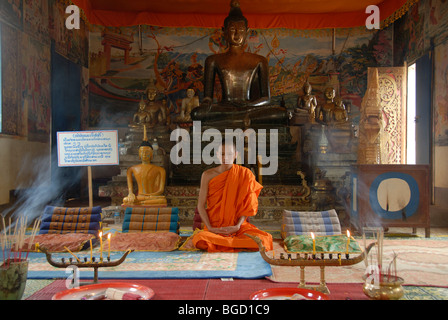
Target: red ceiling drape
[[265, 14]]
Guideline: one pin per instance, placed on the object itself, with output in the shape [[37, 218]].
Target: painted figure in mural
[[308, 102], [156, 109], [188, 104], [150, 180], [340, 112], [325, 113], [244, 79]]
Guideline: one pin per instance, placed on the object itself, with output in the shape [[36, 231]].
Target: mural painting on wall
[[436, 19], [11, 12], [35, 20], [35, 87], [123, 60], [409, 43], [70, 43], [441, 95], [12, 115]]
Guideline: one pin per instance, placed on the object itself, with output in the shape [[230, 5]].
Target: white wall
[[16, 163]]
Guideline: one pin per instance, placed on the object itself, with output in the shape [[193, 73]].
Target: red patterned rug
[[211, 289]]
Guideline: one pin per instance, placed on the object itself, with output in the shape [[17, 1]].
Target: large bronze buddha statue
[[244, 80]]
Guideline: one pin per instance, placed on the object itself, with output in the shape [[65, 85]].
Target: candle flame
[[348, 233], [100, 234], [312, 235], [108, 236]]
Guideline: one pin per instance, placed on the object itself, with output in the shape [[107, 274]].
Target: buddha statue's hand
[[207, 102], [131, 198], [240, 104]]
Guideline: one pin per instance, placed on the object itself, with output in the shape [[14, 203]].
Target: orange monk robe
[[232, 194]]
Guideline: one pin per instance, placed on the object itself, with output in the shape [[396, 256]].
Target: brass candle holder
[[303, 260], [85, 264]]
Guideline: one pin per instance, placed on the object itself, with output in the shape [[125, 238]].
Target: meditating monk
[[150, 180], [227, 196]]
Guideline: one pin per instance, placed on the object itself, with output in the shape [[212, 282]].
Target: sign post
[[87, 149]]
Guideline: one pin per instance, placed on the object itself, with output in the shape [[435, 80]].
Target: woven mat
[[160, 265]]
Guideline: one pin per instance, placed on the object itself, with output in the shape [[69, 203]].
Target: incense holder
[[80, 264], [303, 260], [389, 288], [13, 277]]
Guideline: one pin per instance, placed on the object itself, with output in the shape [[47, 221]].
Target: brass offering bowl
[[389, 288]]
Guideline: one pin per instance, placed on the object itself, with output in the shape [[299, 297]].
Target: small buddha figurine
[[141, 117], [340, 112], [324, 114], [188, 104], [156, 109], [308, 102], [244, 80], [150, 179]]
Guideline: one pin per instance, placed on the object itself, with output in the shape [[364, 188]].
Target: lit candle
[[101, 246], [314, 243], [91, 250], [108, 240], [348, 240]]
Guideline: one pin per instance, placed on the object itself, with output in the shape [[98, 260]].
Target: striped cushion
[[70, 220], [138, 219], [304, 222]]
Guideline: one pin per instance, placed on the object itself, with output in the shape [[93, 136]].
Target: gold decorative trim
[[398, 13]]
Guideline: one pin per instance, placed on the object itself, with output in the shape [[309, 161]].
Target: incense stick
[[12, 241]]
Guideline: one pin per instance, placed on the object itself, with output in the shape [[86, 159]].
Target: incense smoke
[[47, 186]]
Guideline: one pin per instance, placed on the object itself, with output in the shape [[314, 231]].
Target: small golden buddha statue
[[244, 79], [307, 102], [150, 180], [324, 114], [188, 104], [156, 109], [339, 112], [141, 117]]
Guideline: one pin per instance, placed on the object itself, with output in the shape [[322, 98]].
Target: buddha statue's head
[[338, 101], [330, 93], [151, 91], [142, 104], [190, 93], [307, 88], [235, 25], [145, 151]]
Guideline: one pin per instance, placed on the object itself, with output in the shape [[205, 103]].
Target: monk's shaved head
[[226, 152]]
